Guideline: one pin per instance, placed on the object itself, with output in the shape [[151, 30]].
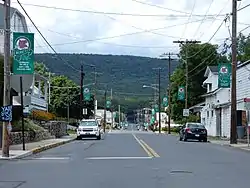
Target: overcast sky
[[78, 31]]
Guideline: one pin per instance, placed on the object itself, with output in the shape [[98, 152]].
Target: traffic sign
[[185, 112]]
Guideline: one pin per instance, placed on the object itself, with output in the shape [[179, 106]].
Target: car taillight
[[188, 130]]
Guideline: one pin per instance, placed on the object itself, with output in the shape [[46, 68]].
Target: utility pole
[[67, 109], [105, 110], [111, 109], [159, 96], [233, 131], [49, 87], [186, 54], [6, 96], [81, 92], [119, 112]]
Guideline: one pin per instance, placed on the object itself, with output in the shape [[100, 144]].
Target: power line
[[189, 17], [122, 35], [243, 7], [44, 37], [203, 18], [110, 13]]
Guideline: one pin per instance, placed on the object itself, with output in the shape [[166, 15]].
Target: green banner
[[23, 53], [156, 108], [224, 75], [153, 111], [165, 101], [86, 94], [108, 104], [181, 93]]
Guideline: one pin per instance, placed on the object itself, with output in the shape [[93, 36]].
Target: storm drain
[[180, 172]]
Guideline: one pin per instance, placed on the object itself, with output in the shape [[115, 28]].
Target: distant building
[[17, 24]]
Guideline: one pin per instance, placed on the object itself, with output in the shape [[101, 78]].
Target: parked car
[[194, 131]]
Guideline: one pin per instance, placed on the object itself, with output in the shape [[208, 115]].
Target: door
[[218, 121]]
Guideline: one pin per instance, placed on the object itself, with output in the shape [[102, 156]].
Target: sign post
[[23, 53], [247, 108]]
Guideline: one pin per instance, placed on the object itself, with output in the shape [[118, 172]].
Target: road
[[130, 159]]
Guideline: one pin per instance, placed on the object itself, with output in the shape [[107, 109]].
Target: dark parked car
[[194, 131]]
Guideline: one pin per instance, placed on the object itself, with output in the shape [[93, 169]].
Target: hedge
[[42, 115]]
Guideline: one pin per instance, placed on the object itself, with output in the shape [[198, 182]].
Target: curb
[[50, 146], [38, 150]]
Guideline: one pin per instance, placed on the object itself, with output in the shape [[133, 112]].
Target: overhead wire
[[203, 18], [44, 37], [190, 16], [110, 13]]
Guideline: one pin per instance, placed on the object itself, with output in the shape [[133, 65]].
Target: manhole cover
[[180, 172], [11, 184]]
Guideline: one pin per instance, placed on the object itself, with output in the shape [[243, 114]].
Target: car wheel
[[78, 138], [180, 138], [205, 140], [98, 137]]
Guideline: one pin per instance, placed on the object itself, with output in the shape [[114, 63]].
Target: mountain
[[124, 74]]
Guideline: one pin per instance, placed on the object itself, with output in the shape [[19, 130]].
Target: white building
[[17, 24], [35, 97], [100, 115], [216, 114]]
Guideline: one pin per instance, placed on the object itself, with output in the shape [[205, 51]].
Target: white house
[[100, 115], [35, 97], [216, 114], [17, 24]]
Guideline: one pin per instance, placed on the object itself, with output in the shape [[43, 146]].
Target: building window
[[207, 113], [212, 113]]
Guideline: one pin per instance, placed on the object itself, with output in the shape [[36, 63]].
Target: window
[[212, 113], [87, 123], [207, 113], [195, 125]]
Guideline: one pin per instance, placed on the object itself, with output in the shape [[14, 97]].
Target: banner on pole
[[224, 76], [181, 93]]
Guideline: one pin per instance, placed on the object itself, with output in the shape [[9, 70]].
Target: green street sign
[[181, 93], [224, 75], [165, 101], [23, 53], [108, 104], [86, 94]]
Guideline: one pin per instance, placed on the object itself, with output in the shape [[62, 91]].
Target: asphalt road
[[130, 159]]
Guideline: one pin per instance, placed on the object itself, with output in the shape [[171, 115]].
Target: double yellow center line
[[146, 147]]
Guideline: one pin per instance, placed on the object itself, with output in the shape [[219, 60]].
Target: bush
[[172, 129], [42, 115], [28, 126]]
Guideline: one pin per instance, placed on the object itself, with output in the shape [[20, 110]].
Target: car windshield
[[195, 125], [87, 123]]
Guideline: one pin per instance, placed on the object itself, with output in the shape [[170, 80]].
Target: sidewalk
[[16, 151], [242, 146]]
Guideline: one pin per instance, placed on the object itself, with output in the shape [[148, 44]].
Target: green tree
[[197, 64]]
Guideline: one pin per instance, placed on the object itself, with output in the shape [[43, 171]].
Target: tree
[[64, 92], [197, 64], [243, 48]]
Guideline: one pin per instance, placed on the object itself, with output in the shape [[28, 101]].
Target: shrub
[[42, 115], [28, 126]]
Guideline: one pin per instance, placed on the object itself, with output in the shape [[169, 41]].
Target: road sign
[[84, 111], [185, 112], [247, 103]]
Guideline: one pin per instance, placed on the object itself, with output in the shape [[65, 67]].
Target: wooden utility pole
[[105, 110], [6, 96], [111, 109], [81, 92], [233, 131], [186, 54]]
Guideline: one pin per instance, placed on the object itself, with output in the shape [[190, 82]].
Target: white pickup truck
[[88, 128]]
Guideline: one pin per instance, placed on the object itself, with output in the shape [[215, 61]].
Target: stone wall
[[31, 136], [56, 128]]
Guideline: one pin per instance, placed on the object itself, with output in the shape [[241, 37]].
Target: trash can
[[240, 132]]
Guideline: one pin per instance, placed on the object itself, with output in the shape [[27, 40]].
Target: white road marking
[[51, 158], [116, 158]]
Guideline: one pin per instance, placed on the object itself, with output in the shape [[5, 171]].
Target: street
[[130, 158]]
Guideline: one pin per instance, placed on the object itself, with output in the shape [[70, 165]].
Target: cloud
[[67, 30]]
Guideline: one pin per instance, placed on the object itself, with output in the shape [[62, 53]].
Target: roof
[[199, 105], [213, 69], [12, 11], [211, 92]]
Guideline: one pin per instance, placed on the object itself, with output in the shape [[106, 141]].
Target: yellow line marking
[[143, 147], [149, 148]]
